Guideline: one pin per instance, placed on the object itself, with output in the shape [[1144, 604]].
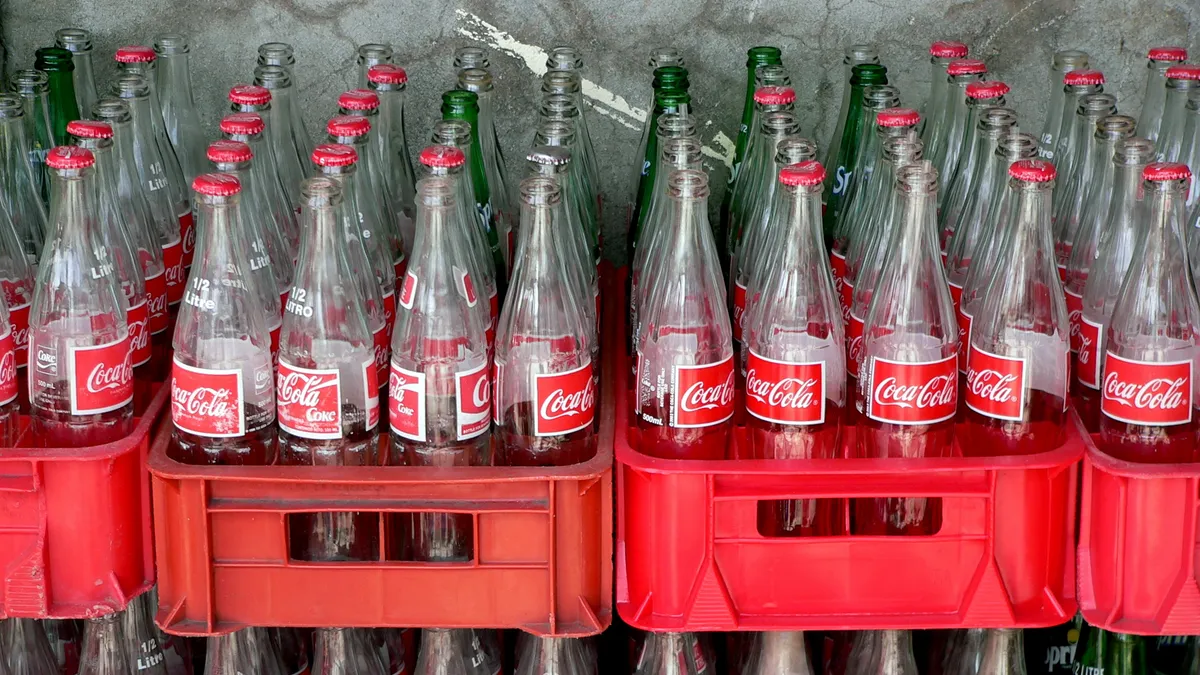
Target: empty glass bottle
[[676, 654], [143, 647], [1159, 60], [464, 105], [981, 96], [1085, 168], [34, 89], [281, 55], [1064, 62], [345, 651], [946, 141], [842, 156], [667, 102], [59, 66], [389, 82], [371, 54], [990, 125], [1181, 81], [891, 654], [941, 54], [1076, 85], [179, 111], [565, 58], [667, 78], [20, 178], [249, 128], [854, 55], [757, 169], [562, 107], [289, 139], [79, 42], [105, 650]]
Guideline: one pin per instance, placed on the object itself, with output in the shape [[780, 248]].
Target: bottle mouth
[[1015, 146], [1070, 59], [1115, 127], [470, 57], [665, 56], [676, 124], [272, 77], [170, 44], [11, 107], [76, 40], [475, 79], [794, 150], [681, 152], [29, 82], [321, 192], [560, 82], [112, 110], [540, 190], [555, 132], [375, 51], [452, 132], [996, 118], [131, 86], [1133, 151], [559, 104], [903, 149], [688, 183], [780, 122], [564, 58], [919, 177]]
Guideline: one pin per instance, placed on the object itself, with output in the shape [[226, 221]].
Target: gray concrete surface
[[1016, 37]]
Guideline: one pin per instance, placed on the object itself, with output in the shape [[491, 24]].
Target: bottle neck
[[1125, 655], [895, 652], [783, 651], [174, 78], [72, 206], [804, 216], [917, 236], [537, 249], [85, 79], [1004, 653], [1166, 217]]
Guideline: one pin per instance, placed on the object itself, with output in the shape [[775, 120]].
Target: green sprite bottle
[[1109, 653], [464, 105], [843, 155], [59, 66], [668, 101]]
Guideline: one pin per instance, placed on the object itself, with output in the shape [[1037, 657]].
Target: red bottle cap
[[966, 67], [89, 129], [1187, 71], [348, 125], [387, 73], [775, 95], [805, 173], [249, 94], [1168, 54], [1078, 77], [359, 99], [69, 157], [442, 156], [217, 185], [897, 117], [243, 124], [226, 152], [989, 89], [334, 154], [1032, 170], [948, 49], [135, 54], [1166, 171]]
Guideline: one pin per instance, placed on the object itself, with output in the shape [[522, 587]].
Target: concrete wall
[[1016, 37]]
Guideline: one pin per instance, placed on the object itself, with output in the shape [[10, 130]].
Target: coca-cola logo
[[187, 229], [912, 393], [1075, 318], [566, 401], [995, 385], [309, 401], [1141, 392], [992, 386], [1087, 359], [157, 304], [790, 392], [46, 360], [703, 394], [739, 309], [784, 392], [406, 402], [174, 271], [8, 369], [700, 397], [1163, 393], [297, 388], [105, 376], [211, 402], [18, 317], [138, 322], [854, 344], [207, 402], [936, 391]]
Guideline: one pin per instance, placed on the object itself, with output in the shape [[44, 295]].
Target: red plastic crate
[[1138, 544], [75, 538], [690, 557]]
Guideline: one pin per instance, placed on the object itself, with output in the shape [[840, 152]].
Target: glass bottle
[[891, 654], [464, 105], [79, 42], [941, 54], [675, 654], [241, 651], [876, 99], [78, 319], [479, 81], [779, 652], [249, 128], [1076, 85], [668, 102], [344, 651], [327, 396], [990, 125], [34, 89], [842, 155], [16, 285], [1116, 653], [964, 652], [1148, 393], [909, 346], [223, 383], [1159, 59], [569, 83], [290, 142], [946, 140], [371, 54], [143, 647], [389, 82], [853, 55], [561, 133], [1064, 62], [568, 59], [667, 78], [1120, 232], [560, 107], [982, 97], [1017, 361], [179, 112], [104, 648], [20, 178], [756, 170], [59, 66], [554, 656], [1003, 652], [453, 651], [1181, 81], [1190, 150], [1081, 176]]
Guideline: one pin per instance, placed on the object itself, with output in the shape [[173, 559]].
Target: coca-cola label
[[406, 403], [783, 392], [371, 389], [1087, 359], [473, 391], [382, 348], [703, 395], [566, 401], [497, 383], [102, 377], [466, 287], [207, 402], [956, 292], [995, 385], [400, 267], [156, 292], [739, 309], [309, 401], [1143, 392], [964, 338], [138, 320], [187, 233], [19, 318], [408, 292], [494, 313], [912, 393], [8, 368], [854, 345], [175, 274], [1075, 315]]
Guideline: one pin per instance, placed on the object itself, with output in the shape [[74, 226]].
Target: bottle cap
[[387, 73], [229, 152], [1187, 71], [348, 125], [249, 94], [1032, 170], [135, 54], [948, 49], [988, 89], [1167, 54], [966, 67], [89, 129], [442, 156], [556, 155], [243, 124], [217, 185], [804, 173], [1076, 78], [897, 117], [334, 154], [1162, 171], [774, 95], [359, 99], [69, 157]]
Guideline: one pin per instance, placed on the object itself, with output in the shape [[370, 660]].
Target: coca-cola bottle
[[20, 183], [222, 382], [290, 142], [242, 652], [105, 649], [389, 82], [327, 396], [779, 652], [675, 653], [81, 388], [1064, 61], [9, 382], [1076, 130], [1159, 60], [1182, 80], [179, 112], [566, 58], [1079, 174], [345, 651], [33, 86], [176, 649], [554, 656], [66, 641], [1017, 361], [890, 653], [964, 651], [1190, 153], [558, 110], [941, 54], [78, 41], [758, 167], [271, 198], [945, 142], [907, 382], [988, 121], [293, 649], [794, 364], [372, 54], [141, 639], [981, 97], [1148, 394], [684, 385]]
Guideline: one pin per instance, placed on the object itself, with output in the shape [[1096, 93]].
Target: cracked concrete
[[1016, 37]]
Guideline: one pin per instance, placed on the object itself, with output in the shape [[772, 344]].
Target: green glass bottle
[[464, 105], [59, 66], [666, 78], [1109, 653], [843, 156], [670, 101]]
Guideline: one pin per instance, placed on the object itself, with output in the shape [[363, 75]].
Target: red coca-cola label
[[400, 267], [494, 313], [138, 320], [783, 392], [995, 385], [739, 309], [466, 288], [956, 292], [156, 307], [1142, 392], [912, 393], [175, 273], [19, 318], [371, 388], [8, 368], [382, 346], [1062, 266], [1075, 315], [1087, 359], [473, 391], [102, 377], [703, 395], [406, 403], [566, 401], [283, 298], [854, 345], [187, 233], [497, 384], [837, 266], [207, 402], [408, 292], [276, 330], [309, 402]]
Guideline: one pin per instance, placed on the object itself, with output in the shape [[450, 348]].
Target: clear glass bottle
[[891, 654], [1190, 150], [34, 89], [1077, 84], [1080, 175], [666, 102], [876, 99], [1181, 81], [675, 654], [389, 83], [554, 656], [1003, 652], [779, 652], [964, 652], [945, 143], [941, 54], [570, 60], [242, 651], [79, 42], [562, 108], [1064, 62], [479, 80], [142, 645], [345, 651], [284, 85], [991, 124], [104, 648], [371, 54], [561, 133], [16, 291], [179, 111], [20, 179], [248, 128], [775, 121], [1159, 59], [982, 96]]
